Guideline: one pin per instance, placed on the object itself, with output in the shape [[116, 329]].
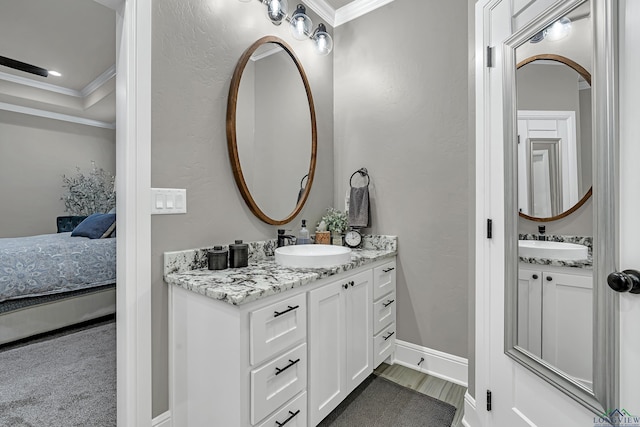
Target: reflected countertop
[[581, 240]]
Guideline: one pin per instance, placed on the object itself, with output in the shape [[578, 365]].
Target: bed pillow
[[96, 226]]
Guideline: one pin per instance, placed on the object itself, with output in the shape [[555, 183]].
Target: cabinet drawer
[[384, 312], [294, 414], [383, 344], [275, 383], [277, 327], [384, 279]]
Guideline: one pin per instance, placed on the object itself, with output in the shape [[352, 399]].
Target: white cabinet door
[[326, 350], [530, 310], [359, 329], [340, 341], [567, 324]]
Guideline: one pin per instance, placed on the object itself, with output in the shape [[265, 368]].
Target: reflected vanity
[[271, 130]]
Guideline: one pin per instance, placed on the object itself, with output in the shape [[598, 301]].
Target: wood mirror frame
[[585, 75], [232, 145]]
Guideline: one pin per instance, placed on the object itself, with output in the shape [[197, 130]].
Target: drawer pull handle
[[352, 283], [291, 416], [388, 336], [276, 314], [386, 270], [388, 303], [292, 362]]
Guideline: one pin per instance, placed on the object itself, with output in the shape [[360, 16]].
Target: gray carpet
[[378, 402], [66, 381]]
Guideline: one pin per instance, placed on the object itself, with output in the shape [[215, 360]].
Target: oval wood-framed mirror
[[276, 153], [586, 76]]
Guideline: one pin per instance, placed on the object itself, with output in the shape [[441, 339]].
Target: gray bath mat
[[378, 402]]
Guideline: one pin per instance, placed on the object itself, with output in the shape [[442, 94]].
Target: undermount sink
[[312, 256], [551, 250]]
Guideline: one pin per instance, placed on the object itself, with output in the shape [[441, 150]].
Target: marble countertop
[[262, 277]]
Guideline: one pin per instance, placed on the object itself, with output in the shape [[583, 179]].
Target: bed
[[52, 281]]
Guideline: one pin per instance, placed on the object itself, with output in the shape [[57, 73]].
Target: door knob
[[626, 281]]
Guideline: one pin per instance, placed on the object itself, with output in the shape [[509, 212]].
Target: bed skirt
[[27, 317]]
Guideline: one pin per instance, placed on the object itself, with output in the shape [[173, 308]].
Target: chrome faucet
[[284, 238], [541, 230]]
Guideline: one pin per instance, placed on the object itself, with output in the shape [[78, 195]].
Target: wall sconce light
[[556, 31], [300, 24], [277, 11], [322, 39]]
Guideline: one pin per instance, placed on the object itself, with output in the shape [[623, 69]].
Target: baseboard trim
[[442, 365], [470, 418], [162, 420]]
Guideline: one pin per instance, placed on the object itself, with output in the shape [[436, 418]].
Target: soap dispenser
[[303, 234]]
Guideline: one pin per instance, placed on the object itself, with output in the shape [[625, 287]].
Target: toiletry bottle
[[238, 254], [303, 234]]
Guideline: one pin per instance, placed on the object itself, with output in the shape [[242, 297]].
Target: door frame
[[133, 184]]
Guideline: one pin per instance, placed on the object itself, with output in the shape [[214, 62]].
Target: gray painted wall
[[196, 44], [34, 154], [401, 110]]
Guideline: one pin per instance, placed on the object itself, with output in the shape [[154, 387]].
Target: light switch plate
[[168, 201]]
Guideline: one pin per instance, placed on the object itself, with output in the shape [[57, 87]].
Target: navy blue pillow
[[96, 226]]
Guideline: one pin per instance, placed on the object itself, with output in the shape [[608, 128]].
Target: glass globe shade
[[323, 40], [559, 30], [301, 24], [277, 10]]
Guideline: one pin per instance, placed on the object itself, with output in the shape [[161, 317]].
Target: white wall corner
[[323, 10], [356, 9], [436, 363], [162, 420], [470, 418]]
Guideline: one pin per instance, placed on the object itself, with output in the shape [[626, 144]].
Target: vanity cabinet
[[384, 312], [288, 359], [341, 325], [555, 320]]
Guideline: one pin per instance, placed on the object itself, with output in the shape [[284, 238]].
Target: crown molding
[[97, 83], [268, 52], [55, 116], [86, 91], [39, 85], [323, 10], [356, 9]]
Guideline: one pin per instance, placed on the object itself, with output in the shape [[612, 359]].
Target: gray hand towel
[[359, 207]]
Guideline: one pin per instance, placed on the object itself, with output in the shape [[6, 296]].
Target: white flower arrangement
[[88, 194]]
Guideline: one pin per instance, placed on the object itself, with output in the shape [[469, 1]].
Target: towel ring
[[363, 172], [302, 180]]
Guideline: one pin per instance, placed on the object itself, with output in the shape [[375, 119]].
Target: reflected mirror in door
[[554, 134]]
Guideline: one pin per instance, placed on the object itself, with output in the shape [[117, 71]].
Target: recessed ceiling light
[[54, 73]]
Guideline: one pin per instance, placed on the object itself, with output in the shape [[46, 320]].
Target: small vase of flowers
[[336, 222]]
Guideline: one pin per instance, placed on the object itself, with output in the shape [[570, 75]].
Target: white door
[[530, 310], [629, 235], [519, 397], [567, 324], [326, 350], [359, 329]]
